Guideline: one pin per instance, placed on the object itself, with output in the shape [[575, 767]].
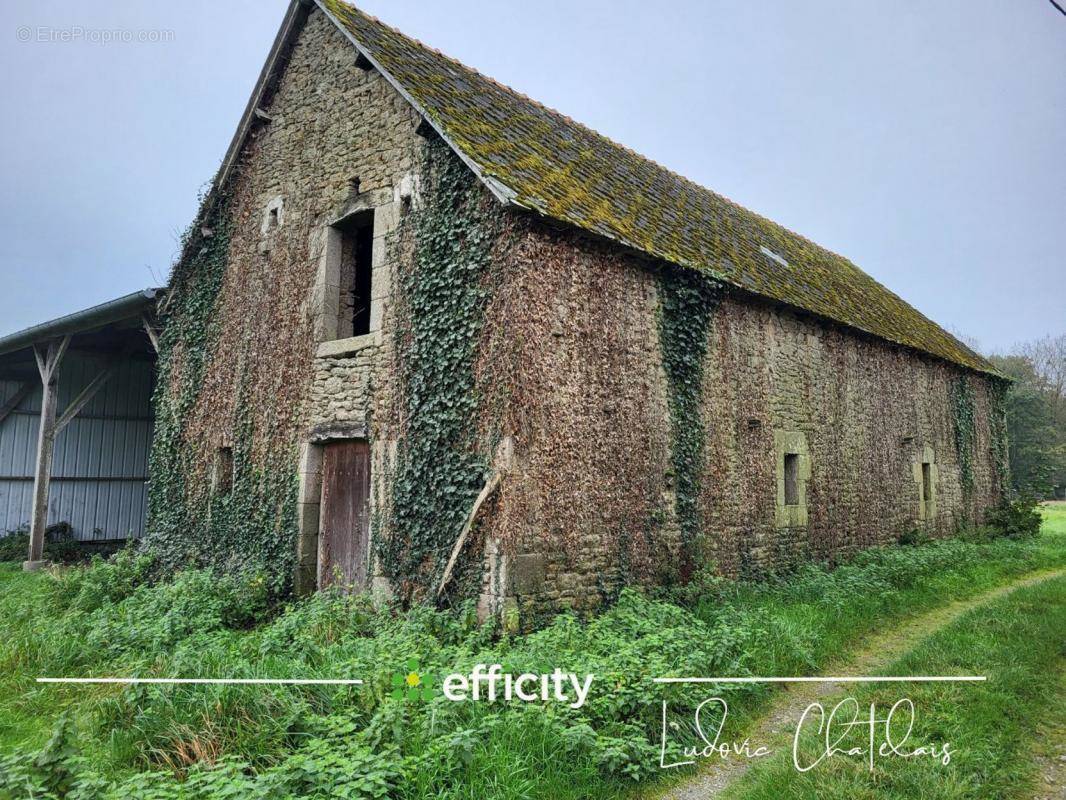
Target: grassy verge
[[281, 742], [1017, 642]]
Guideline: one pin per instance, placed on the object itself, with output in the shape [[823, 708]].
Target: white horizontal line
[[243, 681], [829, 679]]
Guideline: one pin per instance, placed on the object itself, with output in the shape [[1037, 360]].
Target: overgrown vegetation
[[215, 742], [60, 546], [252, 526], [1035, 412], [1015, 518], [963, 423]]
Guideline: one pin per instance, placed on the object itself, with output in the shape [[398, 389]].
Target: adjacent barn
[[76, 424]]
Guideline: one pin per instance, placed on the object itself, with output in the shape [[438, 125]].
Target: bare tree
[[1048, 357]]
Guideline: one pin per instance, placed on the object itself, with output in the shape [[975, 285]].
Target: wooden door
[[344, 529]]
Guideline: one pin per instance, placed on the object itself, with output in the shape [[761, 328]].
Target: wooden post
[[153, 334], [48, 365]]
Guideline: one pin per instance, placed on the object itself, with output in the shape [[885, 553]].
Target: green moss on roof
[[570, 173]]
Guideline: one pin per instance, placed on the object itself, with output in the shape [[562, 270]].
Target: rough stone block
[[527, 573]]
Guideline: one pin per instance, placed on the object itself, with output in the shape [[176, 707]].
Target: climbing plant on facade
[[963, 423], [443, 293], [998, 391], [687, 304], [250, 526]]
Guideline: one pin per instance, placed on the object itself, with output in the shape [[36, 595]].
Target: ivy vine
[[998, 391], [963, 422], [444, 290], [687, 304], [252, 526]]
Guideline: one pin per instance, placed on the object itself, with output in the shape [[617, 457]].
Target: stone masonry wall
[[570, 369], [866, 412], [574, 403], [339, 140], [588, 502]]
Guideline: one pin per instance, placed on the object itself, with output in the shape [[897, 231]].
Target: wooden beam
[[486, 493], [13, 402], [153, 335], [86, 394], [48, 365]]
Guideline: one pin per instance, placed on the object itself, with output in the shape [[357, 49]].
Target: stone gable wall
[[339, 139]]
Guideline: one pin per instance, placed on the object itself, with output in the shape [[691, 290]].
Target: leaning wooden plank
[[486, 493]]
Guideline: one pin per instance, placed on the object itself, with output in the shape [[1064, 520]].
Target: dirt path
[[775, 727], [1050, 748]]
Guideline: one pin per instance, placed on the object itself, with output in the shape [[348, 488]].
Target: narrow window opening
[[927, 482], [357, 248], [272, 222], [791, 479], [223, 477]]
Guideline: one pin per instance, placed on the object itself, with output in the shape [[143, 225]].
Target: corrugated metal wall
[[101, 458]]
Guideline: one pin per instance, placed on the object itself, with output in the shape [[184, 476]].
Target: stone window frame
[[927, 506], [325, 299], [793, 443], [273, 215]]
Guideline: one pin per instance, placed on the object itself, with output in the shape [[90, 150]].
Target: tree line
[[1036, 415]]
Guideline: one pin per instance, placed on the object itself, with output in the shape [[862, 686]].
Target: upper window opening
[[356, 272], [273, 215]]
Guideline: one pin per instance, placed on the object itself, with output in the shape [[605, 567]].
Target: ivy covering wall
[[249, 527], [444, 288], [688, 301], [963, 423]]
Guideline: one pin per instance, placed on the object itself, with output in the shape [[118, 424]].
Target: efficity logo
[[411, 684], [492, 682]]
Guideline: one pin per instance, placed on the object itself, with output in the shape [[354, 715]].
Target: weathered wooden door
[[344, 528]]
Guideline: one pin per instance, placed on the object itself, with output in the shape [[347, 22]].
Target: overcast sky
[[925, 139]]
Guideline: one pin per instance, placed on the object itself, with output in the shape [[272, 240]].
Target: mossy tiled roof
[[543, 160]]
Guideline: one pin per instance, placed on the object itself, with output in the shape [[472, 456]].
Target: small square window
[[791, 479]]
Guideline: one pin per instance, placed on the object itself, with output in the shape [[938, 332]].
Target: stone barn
[[430, 338]]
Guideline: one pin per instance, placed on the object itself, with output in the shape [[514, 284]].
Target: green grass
[[286, 741], [1017, 643]]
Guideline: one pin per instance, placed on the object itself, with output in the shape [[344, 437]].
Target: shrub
[[1016, 518], [914, 536], [149, 742], [60, 549]]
